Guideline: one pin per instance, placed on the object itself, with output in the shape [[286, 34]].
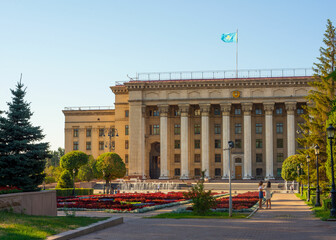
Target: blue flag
[[229, 37]]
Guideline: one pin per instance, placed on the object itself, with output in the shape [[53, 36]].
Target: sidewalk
[[289, 218]]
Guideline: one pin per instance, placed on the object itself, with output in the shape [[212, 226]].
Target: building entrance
[[154, 161], [238, 171]]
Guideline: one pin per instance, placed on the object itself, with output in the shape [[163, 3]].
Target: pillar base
[[184, 177], [269, 178], [247, 178], [163, 177], [225, 178]]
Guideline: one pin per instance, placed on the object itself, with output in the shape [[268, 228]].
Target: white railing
[[88, 108]]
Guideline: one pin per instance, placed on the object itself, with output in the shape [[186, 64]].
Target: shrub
[[64, 192], [48, 180], [65, 180]]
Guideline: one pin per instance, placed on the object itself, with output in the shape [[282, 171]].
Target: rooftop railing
[[248, 73], [88, 108]]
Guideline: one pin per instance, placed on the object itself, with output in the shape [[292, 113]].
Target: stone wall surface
[[30, 203]]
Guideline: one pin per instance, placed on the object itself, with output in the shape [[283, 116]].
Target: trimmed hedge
[[326, 203], [64, 192]]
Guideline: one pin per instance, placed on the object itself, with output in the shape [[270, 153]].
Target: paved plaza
[[289, 218]]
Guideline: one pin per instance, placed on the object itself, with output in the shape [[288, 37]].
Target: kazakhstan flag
[[229, 37]]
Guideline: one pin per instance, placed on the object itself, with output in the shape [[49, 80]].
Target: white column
[[205, 109], [184, 109], [247, 108], [164, 174], [143, 140], [290, 107], [269, 107], [226, 108]]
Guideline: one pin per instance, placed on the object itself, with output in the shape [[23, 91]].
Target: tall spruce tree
[[320, 99], [22, 154]]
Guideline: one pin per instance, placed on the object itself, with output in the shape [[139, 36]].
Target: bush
[[202, 200], [65, 180], [64, 192], [48, 180], [326, 203]]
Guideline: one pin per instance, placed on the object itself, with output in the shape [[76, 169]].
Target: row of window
[[217, 112], [101, 145], [110, 132], [218, 172], [155, 129]]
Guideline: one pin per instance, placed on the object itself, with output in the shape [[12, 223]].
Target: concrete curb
[[88, 229]]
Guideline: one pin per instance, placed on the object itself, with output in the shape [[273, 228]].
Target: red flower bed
[[9, 189], [240, 201], [120, 201]]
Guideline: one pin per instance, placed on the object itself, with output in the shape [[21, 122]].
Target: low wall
[[31, 203]]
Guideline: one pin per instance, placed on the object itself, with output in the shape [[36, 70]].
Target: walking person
[[268, 195], [261, 194]]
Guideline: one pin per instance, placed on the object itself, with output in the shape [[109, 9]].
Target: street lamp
[[298, 173], [317, 152], [111, 132], [308, 190], [301, 170], [231, 145], [331, 133], [73, 177]]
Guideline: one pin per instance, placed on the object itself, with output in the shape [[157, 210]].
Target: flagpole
[[237, 55]]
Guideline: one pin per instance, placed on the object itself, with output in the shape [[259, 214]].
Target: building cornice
[[88, 112]]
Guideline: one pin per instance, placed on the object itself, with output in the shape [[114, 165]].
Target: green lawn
[[319, 212], [19, 226], [192, 215]]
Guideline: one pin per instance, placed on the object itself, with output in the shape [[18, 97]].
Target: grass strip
[[192, 215], [15, 226]]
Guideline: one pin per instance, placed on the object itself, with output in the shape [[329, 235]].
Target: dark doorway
[[154, 161]]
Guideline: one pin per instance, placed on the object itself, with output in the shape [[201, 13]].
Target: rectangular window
[[126, 113], [258, 157], [177, 158], [197, 172], [177, 129], [238, 143], [75, 146], [217, 129], [217, 143], [126, 129], [258, 143], [299, 111], [280, 157], [278, 111], [156, 129], [101, 145], [218, 172], [218, 158], [177, 144], [197, 112], [88, 145], [197, 158], [258, 128], [217, 111], [88, 132], [126, 144], [75, 132], [176, 113], [278, 172], [156, 113], [197, 144], [177, 172], [101, 132], [237, 111], [258, 111], [126, 158], [259, 172], [279, 143], [238, 128], [279, 127], [197, 128]]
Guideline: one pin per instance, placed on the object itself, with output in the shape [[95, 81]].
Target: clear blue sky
[[71, 51]]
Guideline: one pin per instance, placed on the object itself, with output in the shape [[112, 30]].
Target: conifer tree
[[320, 99], [22, 154]]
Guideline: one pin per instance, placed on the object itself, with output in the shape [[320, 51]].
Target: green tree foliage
[[22, 154], [110, 166], [88, 171], [54, 160], [72, 161], [65, 180], [202, 200], [331, 120], [289, 167], [321, 98]]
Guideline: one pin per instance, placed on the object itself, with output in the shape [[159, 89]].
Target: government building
[[176, 125]]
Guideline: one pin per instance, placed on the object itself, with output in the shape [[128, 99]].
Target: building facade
[[178, 128]]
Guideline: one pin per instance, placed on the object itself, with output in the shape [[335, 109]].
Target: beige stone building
[[169, 125]]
